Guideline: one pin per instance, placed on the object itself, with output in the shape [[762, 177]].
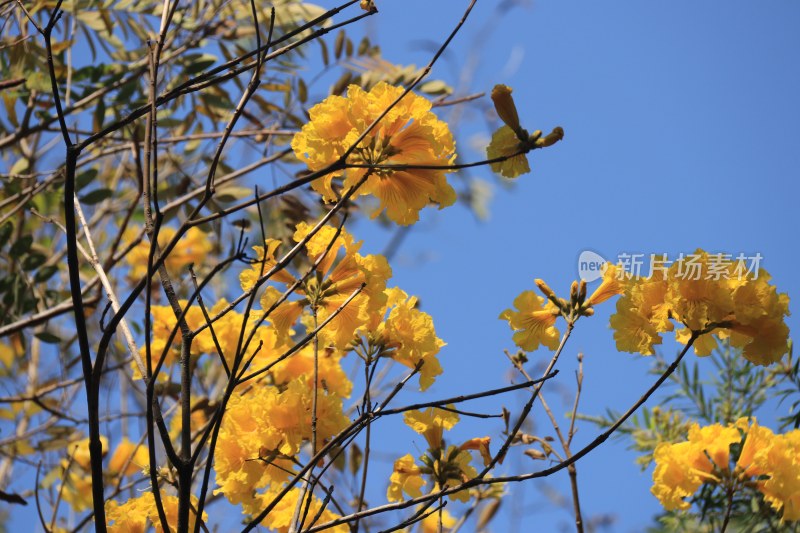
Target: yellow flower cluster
[[128, 459], [336, 280], [773, 461], [445, 465], [192, 248], [407, 335], [263, 430], [745, 308], [409, 134], [226, 330], [280, 518], [136, 514]]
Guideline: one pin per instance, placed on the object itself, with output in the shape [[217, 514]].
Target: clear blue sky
[[681, 132]]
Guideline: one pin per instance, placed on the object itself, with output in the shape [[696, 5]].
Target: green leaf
[[96, 196], [38, 81], [198, 62], [33, 261], [49, 338], [99, 114], [338, 46], [22, 246], [20, 167], [435, 87], [45, 273], [324, 50], [5, 232], [85, 178]]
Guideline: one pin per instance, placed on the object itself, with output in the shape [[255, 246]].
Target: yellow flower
[[457, 470], [715, 442], [775, 460], [135, 456], [482, 445], [681, 468], [409, 134], [406, 478], [341, 272], [674, 478], [505, 143], [533, 322], [431, 424], [504, 105], [331, 375], [280, 518], [263, 429], [79, 451], [412, 335], [133, 515], [77, 488], [698, 303], [633, 332], [263, 263], [430, 524], [756, 445], [611, 285], [747, 310], [192, 248]]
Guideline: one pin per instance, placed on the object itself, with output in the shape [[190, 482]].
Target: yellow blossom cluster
[[708, 302], [340, 272], [280, 517], [406, 334], [742, 307], [409, 134], [770, 461], [263, 430], [192, 248], [446, 465], [74, 471], [225, 336], [136, 514]]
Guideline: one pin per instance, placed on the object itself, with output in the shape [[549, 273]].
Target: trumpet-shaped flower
[[128, 458], [506, 143], [409, 134], [406, 478], [533, 321], [431, 424]]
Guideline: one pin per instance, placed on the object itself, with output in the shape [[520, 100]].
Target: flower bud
[[546, 290], [553, 137], [506, 110]]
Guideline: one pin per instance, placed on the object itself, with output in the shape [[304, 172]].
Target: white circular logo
[[590, 266]]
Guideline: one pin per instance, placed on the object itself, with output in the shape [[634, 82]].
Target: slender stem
[[572, 471], [366, 407]]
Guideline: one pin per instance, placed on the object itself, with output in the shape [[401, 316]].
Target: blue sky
[[681, 132]]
